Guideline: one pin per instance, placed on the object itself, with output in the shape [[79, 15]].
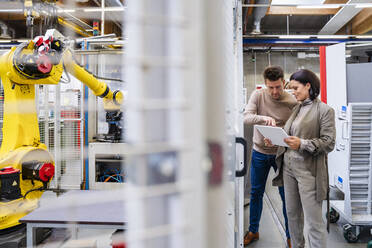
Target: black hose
[[32, 190], [105, 78], [44, 189], [96, 76]]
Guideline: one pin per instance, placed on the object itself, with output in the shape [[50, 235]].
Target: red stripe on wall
[[323, 74]]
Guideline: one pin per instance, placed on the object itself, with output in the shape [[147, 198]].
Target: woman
[[302, 166]]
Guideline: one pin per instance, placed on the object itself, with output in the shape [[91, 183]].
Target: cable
[[105, 78], [32, 190], [96, 76], [118, 178], [44, 189], [108, 178], [67, 74]]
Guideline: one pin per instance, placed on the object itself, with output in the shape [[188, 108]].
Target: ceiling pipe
[[266, 49], [4, 30], [245, 17], [115, 17], [103, 17], [74, 27], [258, 14], [114, 3], [12, 31]]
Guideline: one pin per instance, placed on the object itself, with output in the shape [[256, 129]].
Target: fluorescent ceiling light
[[295, 2], [93, 10], [333, 36], [66, 11], [292, 41], [107, 9], [363, 36], [11, 10], [363, 5], [322, 6], [13, 40], [294, 36]]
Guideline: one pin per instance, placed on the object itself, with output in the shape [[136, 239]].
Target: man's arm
[[250, 113]]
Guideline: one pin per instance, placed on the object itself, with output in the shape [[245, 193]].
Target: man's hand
[[267, 142], [270, 121], [293, 142]]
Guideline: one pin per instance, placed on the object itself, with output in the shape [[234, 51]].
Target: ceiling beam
[[73, 27], [343, 16], [12, 16], [283, 10], [247, 12], [334, 1], [268, 9], [344, 29], [250, 9], [362, 23]]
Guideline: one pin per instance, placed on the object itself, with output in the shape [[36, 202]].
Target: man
[[271, 106]]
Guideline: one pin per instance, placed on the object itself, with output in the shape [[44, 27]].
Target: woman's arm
[[327, 135]]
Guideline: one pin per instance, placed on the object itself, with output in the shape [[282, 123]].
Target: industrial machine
[[107, 169], [350, 169], [26, 166], [114, 134]]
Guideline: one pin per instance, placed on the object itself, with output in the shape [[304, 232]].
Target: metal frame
[[346, 210], [344, 207], [164, 61], [85, 90], [104, 148], [57, 120], [75, 226], [239, 102], [348, 165]]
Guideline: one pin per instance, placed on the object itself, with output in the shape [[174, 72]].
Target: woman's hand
[[293, 142], [267, 142]]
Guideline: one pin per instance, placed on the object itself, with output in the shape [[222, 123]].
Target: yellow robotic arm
[[26, 167], [112, 99]]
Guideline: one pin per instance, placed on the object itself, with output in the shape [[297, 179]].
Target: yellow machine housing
[[21, 137]]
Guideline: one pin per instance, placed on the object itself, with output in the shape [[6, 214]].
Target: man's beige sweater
[[260, 106]]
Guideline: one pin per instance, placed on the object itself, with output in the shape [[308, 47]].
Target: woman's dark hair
[[273, 73], [306, 76]]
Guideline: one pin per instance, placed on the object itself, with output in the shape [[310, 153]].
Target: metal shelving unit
[[356, 184], [349, 164]]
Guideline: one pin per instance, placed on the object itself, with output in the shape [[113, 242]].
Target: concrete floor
[[272, 231], [270, 235], [271, 227]]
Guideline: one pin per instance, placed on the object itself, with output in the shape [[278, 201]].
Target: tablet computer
[[275, 134]]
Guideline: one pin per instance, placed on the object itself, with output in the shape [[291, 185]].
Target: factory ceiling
[[310, 17], [24, 19]]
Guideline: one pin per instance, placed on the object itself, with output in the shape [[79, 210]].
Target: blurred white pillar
[[165, 68]]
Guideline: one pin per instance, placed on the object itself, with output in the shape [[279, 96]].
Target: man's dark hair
[[273, 73], [306, 76]]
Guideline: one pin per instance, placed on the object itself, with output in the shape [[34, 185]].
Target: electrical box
[[106, 165]]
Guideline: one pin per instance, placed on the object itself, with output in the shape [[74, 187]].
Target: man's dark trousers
[[260, 167]]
